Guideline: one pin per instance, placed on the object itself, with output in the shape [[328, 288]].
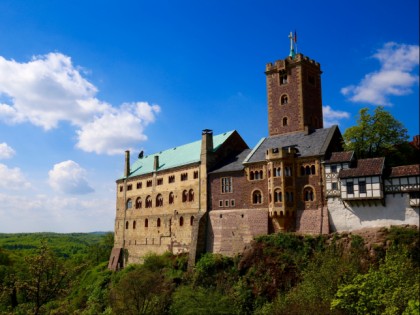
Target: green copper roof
[[175, 157]]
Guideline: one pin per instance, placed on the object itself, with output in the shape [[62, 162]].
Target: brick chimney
[[127, 164], [156, 163]]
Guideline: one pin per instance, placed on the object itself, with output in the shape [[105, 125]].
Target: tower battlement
[[280, 65]]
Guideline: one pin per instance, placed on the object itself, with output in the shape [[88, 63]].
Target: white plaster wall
[[344, 217]]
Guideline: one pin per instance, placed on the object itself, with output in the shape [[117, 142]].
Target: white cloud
[[6, 152], [42, 213], [332, 117], [49, 89], [69, 178], [12, 178], [116, 131], [395, 77]]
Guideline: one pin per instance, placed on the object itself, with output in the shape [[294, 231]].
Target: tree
[[393, 288], [375, 135], [141, 291], [46, 279]]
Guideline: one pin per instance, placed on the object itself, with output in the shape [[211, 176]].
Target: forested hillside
[[371, 272]]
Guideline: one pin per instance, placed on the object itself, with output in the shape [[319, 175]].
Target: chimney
[[206, 141], [156, 163], [127, 164]]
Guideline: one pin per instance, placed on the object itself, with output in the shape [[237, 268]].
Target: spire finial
[[292, 40]]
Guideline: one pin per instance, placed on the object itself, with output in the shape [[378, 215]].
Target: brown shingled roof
[[405, 170], [365, 167], [337, 157]]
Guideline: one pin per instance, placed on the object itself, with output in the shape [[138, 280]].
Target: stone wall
[[347, 217], [229, 231]]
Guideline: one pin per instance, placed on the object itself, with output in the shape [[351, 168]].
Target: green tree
[[141, 291], [376, 134], [393, 288], [46, 279]]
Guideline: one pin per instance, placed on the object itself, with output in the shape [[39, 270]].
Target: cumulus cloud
[[12, 178], [69, 178], [333, 117], [117, 130], [395, 77], [50, 89], [6, 152]]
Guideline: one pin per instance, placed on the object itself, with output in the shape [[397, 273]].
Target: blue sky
[[81, 81]]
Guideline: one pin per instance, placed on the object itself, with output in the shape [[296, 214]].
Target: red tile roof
[[337, 157], [365, 167], [405, 170]]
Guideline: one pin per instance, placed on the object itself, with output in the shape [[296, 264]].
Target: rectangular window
[[333, 168], [149, 183], [121, 188], [171, 179], [362, 187], [226, 184], [226, 203], [184, 176], [220, 203], [349, 186], [232, 202], [283, 79], [129, 187], [160, 181], [334, 186], [139, 184], [195, 174]]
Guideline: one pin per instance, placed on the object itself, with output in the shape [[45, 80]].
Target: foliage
[[386, 290], [141, 291], [188, 300], [377, 134]]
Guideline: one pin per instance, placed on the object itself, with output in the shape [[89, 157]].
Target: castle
[[217, 194]]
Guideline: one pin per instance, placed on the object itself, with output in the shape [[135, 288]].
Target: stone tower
[[294, 95]]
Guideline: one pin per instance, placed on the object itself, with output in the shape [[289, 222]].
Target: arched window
[[181, 221], [138, 203], [184, 196], [284, 121], [313, 170], [191, 195], [302, 170], [171, 198], [278, 195], [158, 222], [126, 225], [308, 194], [308, 170], [134, 225], [256, 197], [251, 175], [159, 200], [146, 223], [148, 202], [288, 171], [129, 204], [284, 100], [277, 172], [191, 220]]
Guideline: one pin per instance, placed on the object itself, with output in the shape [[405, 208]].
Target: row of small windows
[[187, 196], [350, 187], [256, 175], [308, 195], [307, 170], [159, 181], [227, 203], [158, 222]]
